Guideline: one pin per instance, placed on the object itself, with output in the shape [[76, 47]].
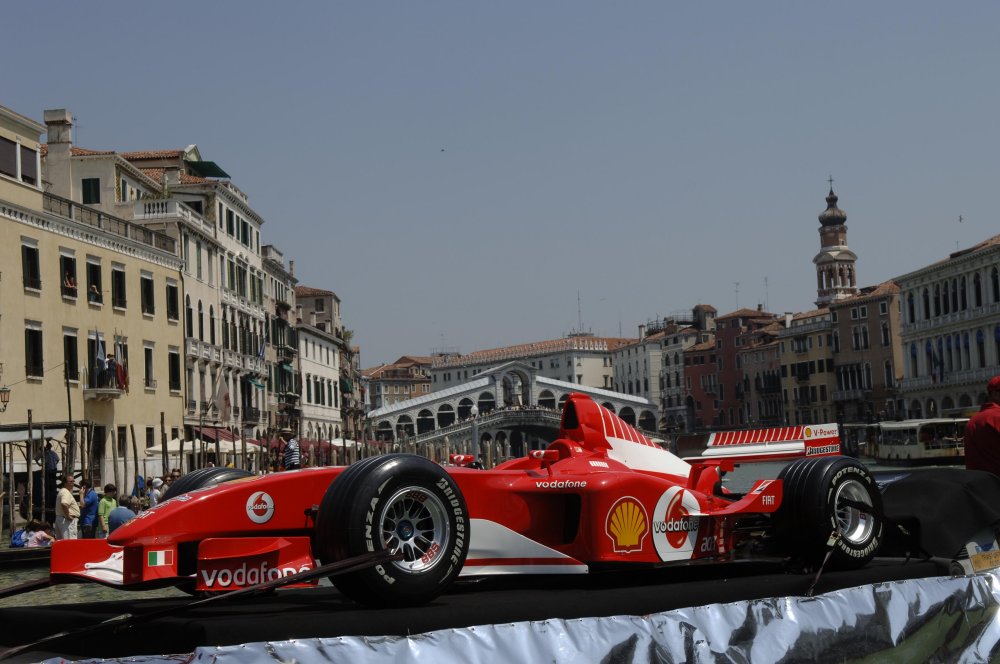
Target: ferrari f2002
[[602, 496]]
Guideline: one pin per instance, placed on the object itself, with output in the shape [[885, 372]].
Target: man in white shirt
[[67, 510]]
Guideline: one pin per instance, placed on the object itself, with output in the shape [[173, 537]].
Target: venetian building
[[835, 275]]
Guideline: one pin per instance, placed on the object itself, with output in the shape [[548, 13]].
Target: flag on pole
[[222, 403], [260, 353], [100, 359]]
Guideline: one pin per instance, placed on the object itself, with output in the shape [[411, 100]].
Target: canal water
[[738, 481]]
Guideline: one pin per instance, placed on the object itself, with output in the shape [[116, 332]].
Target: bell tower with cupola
[[835, 276]]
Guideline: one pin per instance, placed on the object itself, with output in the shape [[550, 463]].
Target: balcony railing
[[951, 378], [950, 319], [852, 395], [102, 385], [203, 350], [109, 223], [169, 209]]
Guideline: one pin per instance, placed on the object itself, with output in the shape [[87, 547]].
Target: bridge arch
[[628, 415], [486, 402], [405, 426], [610, 406], [464, 408], [546, 399], [647, 421], [425, 421], [515, 387]]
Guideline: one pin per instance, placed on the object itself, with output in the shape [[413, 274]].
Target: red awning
[[211, 433], [308, 444]]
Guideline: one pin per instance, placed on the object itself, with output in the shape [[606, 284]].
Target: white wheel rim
[[414, 523], [856, 526]]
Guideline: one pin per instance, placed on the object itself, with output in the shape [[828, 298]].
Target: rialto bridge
[[508, 405]]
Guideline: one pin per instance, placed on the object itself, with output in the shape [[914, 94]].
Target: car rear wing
[[749, 445]]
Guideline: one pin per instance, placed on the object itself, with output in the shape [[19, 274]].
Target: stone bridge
[[508, 405]]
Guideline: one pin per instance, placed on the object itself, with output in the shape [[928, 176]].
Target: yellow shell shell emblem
[[627, 525]]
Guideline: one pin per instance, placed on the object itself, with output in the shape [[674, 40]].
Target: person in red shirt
[[982, 433]]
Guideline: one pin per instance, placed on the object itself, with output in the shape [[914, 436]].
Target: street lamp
[[474, 411], [4, 398]]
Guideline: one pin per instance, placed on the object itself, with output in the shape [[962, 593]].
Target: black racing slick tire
[[830, 496], [401, 503], [201, 478]]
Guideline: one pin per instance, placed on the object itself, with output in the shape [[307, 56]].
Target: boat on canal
[[935, 441]]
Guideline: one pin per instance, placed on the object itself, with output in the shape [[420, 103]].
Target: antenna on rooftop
[[579, 313], [737, 284], [767, 306]]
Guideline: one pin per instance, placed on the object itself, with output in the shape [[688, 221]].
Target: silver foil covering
[[941, 619]]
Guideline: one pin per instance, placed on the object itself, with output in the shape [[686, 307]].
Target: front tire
[[401, 503], [830, 495]]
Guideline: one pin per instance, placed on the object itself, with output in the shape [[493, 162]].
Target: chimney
[[171, 176], [642, 332], [788, 319], [60, 124], [58, 169], [291, 268], [760, 307]]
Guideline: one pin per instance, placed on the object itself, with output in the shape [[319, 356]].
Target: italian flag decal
[[159, 558]]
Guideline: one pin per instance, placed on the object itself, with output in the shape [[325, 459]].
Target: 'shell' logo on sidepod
[[626, 525]]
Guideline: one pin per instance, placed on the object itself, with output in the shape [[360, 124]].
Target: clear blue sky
[[458, 171]]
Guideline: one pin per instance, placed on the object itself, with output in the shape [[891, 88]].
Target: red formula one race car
[[602, 496]]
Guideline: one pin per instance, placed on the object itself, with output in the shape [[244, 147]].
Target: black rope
[[126, 620]]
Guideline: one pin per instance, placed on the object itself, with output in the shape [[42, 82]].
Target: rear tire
[[814, 505], [401, 503]]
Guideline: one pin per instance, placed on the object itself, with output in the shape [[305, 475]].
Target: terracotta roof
[[703, 346], [307, 291], [706, 307], [373, 372], [157, 174], [415, 359], [609, 344], [153, 154], [811, 314], [746, 313], [76, 152], [869, 293], [988, 242]]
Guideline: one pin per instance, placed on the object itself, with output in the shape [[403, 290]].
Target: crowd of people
[[80, 513]]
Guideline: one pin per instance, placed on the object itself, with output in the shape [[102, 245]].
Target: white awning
[[21, 435]]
